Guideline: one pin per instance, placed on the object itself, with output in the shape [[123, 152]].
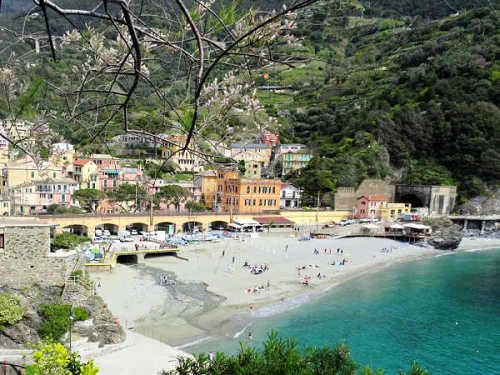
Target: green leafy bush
[[80, 313], [67, 240], [56, 320], [11, 310], [279, 357]]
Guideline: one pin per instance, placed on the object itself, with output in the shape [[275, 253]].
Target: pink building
[[368, 206], [36, 196]]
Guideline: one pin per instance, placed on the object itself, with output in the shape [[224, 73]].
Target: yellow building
[[86, 173], [207, 182], [252, 153], [188, 160], [392, 211], [22, 171]]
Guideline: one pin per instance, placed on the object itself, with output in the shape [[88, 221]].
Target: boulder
[[445, 235]]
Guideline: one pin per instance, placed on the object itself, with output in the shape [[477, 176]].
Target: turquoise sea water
[[443, 312]]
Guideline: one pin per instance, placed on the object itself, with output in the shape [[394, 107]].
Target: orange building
[[246, 195]]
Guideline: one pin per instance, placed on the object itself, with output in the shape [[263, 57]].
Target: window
[[2, 241], [65, 187], [260, 202], [63, 198], [54, 174], [248, 189], [50, 196], [59, 187], [105, 183], [32, 174], [255, 189], [372, 212], [114, 184], [274, 189], [254, 202]]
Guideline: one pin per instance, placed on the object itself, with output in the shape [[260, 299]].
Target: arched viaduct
[[87, 224]]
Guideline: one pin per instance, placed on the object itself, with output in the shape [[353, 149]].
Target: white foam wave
[[280, 307], [195, 342], [239, 333]]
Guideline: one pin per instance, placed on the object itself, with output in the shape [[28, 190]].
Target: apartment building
[[252, 153], [35, 197], [246, 195]]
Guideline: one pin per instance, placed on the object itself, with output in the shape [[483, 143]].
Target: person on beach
[[223, 252], [136, 246], [286, 248], [250, 337], [338, 249], [234, 259], [268, 284]]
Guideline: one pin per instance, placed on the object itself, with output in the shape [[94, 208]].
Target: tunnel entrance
[[411, 199], [127, 259], [159, 255]]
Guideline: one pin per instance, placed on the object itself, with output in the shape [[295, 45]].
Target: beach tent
[[247, 223]]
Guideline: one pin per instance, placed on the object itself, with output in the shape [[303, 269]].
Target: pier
[[128, 256], [476, 222]]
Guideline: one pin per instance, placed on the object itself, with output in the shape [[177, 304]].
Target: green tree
[[173, 194], [89, 198], [194, 206], [127, 195]]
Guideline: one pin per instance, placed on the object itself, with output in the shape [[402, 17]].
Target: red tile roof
[[274, 219], [81, 162], [374, 197]]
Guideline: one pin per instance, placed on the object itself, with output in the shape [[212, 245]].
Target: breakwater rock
[[445, 234]]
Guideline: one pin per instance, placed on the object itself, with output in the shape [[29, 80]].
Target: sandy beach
[[214, 295]]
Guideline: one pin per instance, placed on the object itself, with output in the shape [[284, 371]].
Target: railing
[[12, 367]]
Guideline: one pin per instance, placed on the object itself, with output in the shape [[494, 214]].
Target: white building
[[290, 196]]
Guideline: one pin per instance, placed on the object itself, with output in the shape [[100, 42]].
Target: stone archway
[[139, 227], [192, 226], [218, 225], [81, 230], [112, 228], [166, 226]]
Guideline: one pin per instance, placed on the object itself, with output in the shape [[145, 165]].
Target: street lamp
[[71, 318]]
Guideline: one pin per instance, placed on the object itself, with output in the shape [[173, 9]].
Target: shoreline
[[203, 310]]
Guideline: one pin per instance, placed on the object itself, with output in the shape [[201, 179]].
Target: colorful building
[[252, 153], [36, 196], [188, 160], [85, 172], [368, 206], [25, 171], [207, 183], [292, 161], [393, 211], [245, 195]]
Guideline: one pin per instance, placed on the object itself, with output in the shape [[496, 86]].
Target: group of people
[[327, 251], [256, 269]]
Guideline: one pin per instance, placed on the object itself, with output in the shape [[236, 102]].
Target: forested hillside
[[385, 98], [402, 90]]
